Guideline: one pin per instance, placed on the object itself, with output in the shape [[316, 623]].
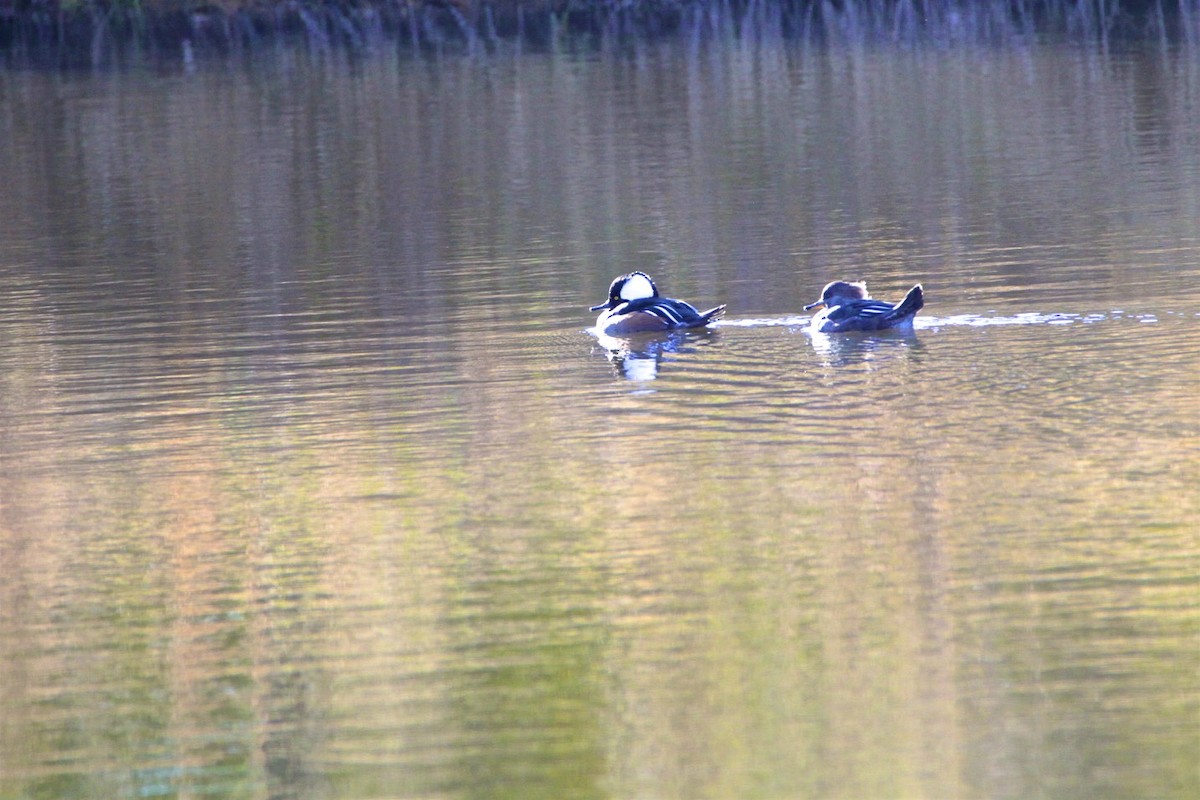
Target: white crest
[[637, 286]]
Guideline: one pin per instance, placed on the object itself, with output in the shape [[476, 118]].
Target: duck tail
[[712, 315], [913, 302]]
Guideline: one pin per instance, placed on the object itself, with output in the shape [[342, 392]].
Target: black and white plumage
[[848, 307], [635, 306]]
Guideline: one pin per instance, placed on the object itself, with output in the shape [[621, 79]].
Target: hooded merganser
[[634, 306], [848, 307]]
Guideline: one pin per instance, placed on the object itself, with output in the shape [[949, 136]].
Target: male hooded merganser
[[634, 306], [848, 307]]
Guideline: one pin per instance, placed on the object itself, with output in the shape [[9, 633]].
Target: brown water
[[313, 483]]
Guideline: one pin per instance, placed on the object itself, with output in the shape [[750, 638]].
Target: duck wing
[[675, 313]]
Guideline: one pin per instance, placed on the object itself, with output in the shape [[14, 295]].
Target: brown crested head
[[840, 291]]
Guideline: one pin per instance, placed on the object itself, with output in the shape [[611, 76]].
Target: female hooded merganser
[[634, 306], [848, 307]]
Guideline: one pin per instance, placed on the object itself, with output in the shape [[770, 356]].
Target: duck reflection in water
[[847, 307], [637, 326], [881, 346], [637, 357]]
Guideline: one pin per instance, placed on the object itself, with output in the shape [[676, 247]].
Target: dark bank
[[73, 33]]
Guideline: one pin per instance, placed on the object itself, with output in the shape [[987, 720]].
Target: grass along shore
[[98, 32]]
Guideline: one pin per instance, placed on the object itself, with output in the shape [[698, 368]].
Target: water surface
[[313, 482]]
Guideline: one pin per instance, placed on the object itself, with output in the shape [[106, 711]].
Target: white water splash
[[967, 320]]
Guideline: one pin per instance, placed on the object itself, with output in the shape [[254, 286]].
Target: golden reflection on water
[[314, 484]]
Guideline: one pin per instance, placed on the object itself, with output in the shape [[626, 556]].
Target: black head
[[634, 286]]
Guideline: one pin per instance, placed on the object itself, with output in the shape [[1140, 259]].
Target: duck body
[[848, 307], [635, 306]]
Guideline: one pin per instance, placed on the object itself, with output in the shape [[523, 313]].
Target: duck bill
[[818, 304], [602, 306]]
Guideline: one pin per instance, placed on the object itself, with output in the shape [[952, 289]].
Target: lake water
[[314, 483]]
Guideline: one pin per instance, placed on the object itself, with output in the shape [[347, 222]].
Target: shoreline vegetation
[[74, 33]]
